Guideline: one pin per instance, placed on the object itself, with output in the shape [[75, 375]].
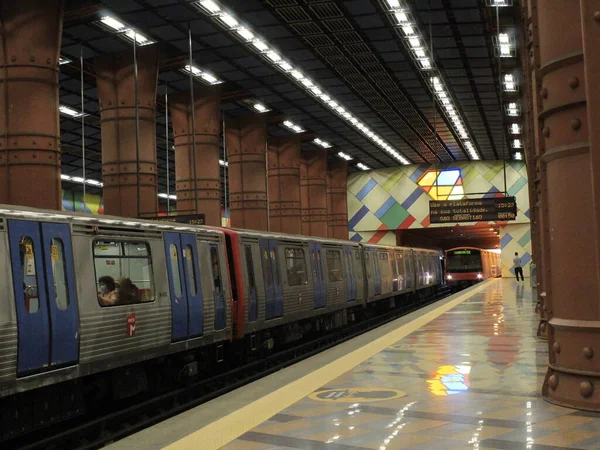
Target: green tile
[[395, 216], [493, 172], [392, 180]]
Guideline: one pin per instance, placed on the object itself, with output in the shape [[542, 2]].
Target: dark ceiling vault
[[351, 48]]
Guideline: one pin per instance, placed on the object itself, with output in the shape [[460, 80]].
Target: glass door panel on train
[[45, 295], [272, 279], [252, 294], [187, 305], [317, 270], [376, 271], [218, 295], [350, 274]]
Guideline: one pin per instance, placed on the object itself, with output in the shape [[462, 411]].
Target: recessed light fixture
[[260, 45], [260, 108]]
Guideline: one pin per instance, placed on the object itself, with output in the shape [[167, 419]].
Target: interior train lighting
[[125, 31], [201, 74], [68, 111], [261, 46], [361, 166], [402, 19], [512, 110], [293, 127], [321, 143], [345, 156]]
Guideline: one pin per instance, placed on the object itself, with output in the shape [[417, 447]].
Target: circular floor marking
[[356, 395]]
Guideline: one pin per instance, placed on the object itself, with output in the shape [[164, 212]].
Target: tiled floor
[[469, 379]]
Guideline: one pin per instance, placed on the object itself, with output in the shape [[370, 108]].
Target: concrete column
[[338, 199], [570, 172], [30, 39], [284, 155], [199, 190], [246, 144], [129, 184], [314, 204]]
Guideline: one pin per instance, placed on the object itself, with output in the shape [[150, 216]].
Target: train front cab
[[466, 266]]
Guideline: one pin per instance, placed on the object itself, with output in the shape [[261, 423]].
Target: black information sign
[[473, 210], [191, 219]]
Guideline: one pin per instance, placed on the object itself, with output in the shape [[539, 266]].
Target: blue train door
[[272, 279], [218, 294], [45, 295], [350, 278], [317, 270], [252, 295], [187, 311], [277, 283], [376, 272]]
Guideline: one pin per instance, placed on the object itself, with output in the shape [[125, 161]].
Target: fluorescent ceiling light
[[321, 143], [393, 4], [512, 110], [503, 38], [137, 37], [509, 83], [401, 17], [113, 23], [245, 33], [292, 126], [260, 108], [518, 156], [62, 61], [361, 166], [125, 31], [199, 73], [505, 51], [498, 3], [408, 30], [345, 156], [517, 143], [68, 111], [172, 197], [223, 163], [515, 128], [210, 6], [260, 45]]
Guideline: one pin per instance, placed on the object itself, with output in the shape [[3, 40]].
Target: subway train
[[100, 308], [470, 265]]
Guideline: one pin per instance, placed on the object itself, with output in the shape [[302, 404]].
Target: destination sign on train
[[473, 210]]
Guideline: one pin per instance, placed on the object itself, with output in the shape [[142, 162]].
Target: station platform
[[463, 373]]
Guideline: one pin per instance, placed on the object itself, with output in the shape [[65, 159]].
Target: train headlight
[[479, 276], [449, 277]]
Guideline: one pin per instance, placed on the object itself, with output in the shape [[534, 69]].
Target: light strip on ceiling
[[125, 31], [345, 156], [62, 60], [402, 19], [204, 76], [97, 183], [293, 127], [321, 143], [259, 45], [68, 111], [361, 166]]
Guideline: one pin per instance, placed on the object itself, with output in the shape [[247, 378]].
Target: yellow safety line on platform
[[230, 427]]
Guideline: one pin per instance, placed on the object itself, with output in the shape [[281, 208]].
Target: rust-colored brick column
[[123, 181], [314, 205], [305, 225], [246, 139], [570, 172], [198, 191], [284, 155], [30, 39], [338, 199]]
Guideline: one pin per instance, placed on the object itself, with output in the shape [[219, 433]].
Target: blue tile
[[505, 240], [362, 212], [366, 189], [412, 198], [515, 188], [356, 238], [385, 207]]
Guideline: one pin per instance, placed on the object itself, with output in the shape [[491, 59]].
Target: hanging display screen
[[473, 210]]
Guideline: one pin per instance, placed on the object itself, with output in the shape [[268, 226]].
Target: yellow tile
[[565, 438], [563, 422]]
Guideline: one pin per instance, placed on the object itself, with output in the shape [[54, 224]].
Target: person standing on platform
[[518, 268]]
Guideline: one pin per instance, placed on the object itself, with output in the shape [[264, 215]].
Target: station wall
[[385, 200]]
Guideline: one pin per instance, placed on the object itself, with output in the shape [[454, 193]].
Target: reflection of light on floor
[[475, 439], [529, 438], [397, 425], [352, 410], [448, 380]]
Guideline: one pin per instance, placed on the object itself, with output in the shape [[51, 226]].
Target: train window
[[59, 273], [175, 275], [368, 265], [249, 266], [267, 268], [29, 277], [191, 269], [124, 272], [216, 271], [295, 265], [334, 265]]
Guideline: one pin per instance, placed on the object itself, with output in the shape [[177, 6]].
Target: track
[[95, 432]]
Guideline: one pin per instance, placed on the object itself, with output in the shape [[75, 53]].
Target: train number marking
[[131, 324]]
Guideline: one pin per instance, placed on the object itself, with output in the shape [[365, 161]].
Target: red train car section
[[469, 265]]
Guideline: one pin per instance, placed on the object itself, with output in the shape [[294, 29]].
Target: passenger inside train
[[109, 295]]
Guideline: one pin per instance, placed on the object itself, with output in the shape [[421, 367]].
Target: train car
[[99, 308], [469, 265]]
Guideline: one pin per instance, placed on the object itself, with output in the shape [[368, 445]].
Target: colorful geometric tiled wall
[[384, 200], [515, 237]]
